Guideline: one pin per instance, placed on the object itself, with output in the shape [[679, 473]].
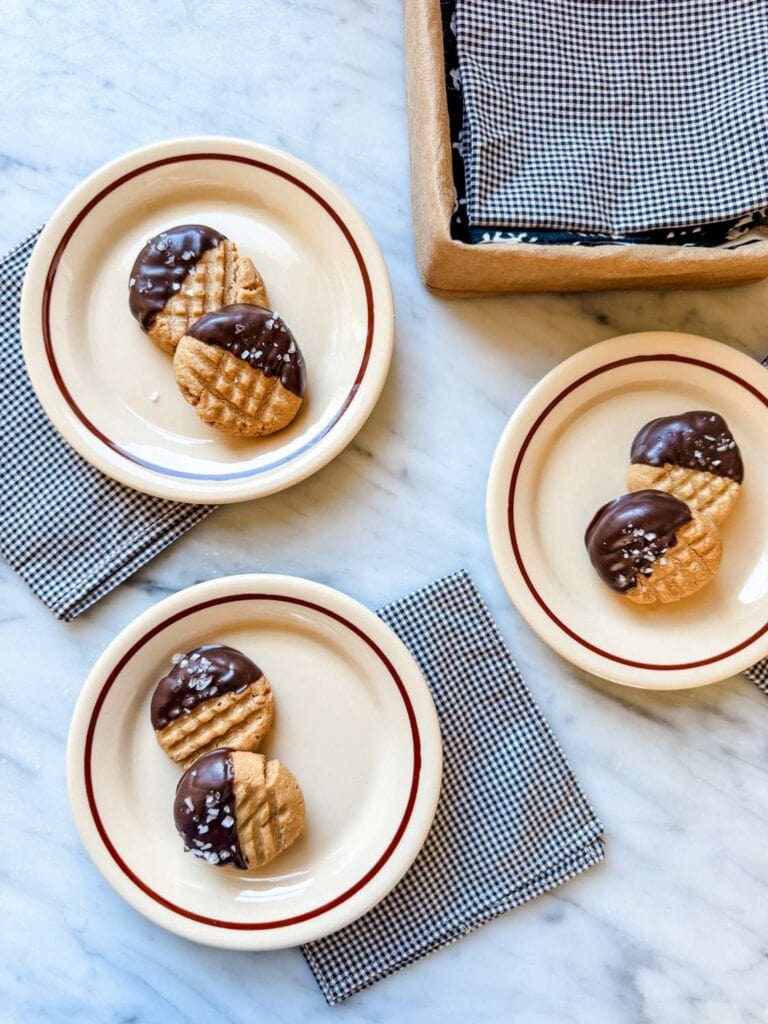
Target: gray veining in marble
[[672, 929]]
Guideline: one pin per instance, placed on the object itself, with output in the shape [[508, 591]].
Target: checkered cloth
[[613, 117], [71, 533], [759, 674], [512, 821]]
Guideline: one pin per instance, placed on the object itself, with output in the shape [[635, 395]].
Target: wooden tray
[[457, 270]]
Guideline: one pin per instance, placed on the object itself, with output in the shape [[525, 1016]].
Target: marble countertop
[[671, 928]]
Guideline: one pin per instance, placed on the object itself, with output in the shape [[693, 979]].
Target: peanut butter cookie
[[692, 456], [213, 697], [238, 809], [185, 272], [649, 546], [242, 370]]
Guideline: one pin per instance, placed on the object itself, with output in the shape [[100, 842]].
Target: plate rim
[[89, 441], [565, 376], [400, 853]]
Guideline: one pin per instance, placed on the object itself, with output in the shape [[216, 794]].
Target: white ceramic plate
[[96, 373], [566, 451], [354, 722]]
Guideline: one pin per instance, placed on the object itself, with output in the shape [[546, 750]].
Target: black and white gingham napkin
[[759, 674], [613, 118], [512, 821], [71, 533]]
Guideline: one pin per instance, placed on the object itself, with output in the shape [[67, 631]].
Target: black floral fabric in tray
[[731, 234]]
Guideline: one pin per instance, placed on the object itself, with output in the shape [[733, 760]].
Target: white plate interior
[[341, 727], [112, 368], [578, 460]]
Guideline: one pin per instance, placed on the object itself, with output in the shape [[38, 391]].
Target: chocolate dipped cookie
[[213, 696], [234, 808], [650, 546], [185, 272], [692, 456], [242, 370]]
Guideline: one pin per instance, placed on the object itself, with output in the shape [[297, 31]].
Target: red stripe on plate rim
[[242, 925], [617, 364]]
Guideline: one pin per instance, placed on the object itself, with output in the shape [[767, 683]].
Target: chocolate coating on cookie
[[208, 671], [694, 440], [204, 810], [162, 265], [259, 337], [627, 535]]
